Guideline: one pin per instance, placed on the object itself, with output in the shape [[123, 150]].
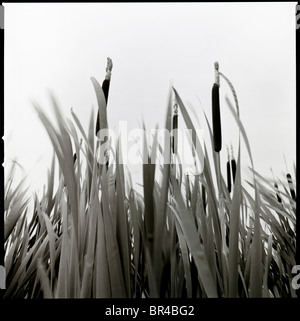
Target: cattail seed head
[[175, 127], [204, 198], [227, 231], [228, 177], [105, 88], [291, 186], [233, 165], [74, 158], [233, 168], [228, 171], [277, 193], [216, 118], [106, 82], [188, 191]]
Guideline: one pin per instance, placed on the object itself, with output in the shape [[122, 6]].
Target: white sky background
[[60, 46]]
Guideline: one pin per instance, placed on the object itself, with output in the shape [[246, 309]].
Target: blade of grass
[[42, 275], [196, 248], [113, 256], [185, 259], [62, 281], [255, 290], [122, 226]]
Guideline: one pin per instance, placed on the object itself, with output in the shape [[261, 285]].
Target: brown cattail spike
[[233, 165], [175, 127], [188, 191], [74, 158], [233, 168], [276, 187], [228, 172], [277, 193], [106, 82], [228, 177], [291, 186], [204, 198], [105, 88], [216, 117]]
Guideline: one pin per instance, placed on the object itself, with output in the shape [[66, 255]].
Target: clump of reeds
[[94, 236]]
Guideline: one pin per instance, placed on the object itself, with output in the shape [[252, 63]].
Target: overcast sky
[[152, 45]]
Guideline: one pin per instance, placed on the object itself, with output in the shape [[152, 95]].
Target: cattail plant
[[95, 236], [216, 117]]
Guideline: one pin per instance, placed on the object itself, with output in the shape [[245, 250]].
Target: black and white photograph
[[150, 152]]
